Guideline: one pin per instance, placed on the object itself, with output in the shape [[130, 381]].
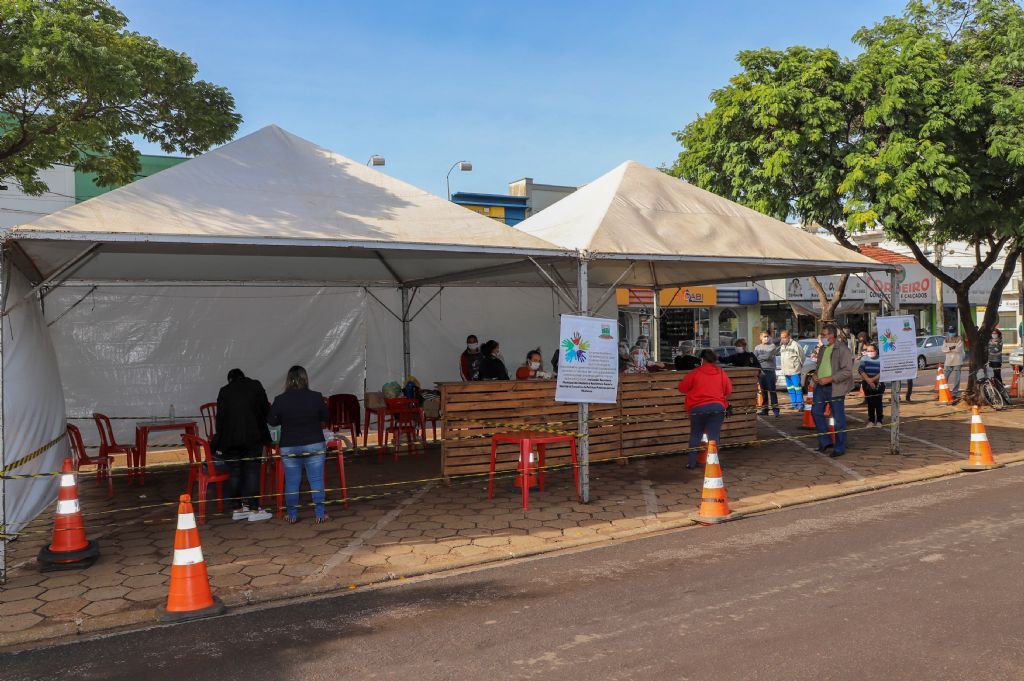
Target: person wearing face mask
[[640, 358], [995, 354], [954, 349], [833, 379], [623, 356], [766, 353], [492, 366], [532, 368], [792, 355], [870, 370], [469, 362]]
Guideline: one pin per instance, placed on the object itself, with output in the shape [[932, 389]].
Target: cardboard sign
[[897, 348], [588, 360]]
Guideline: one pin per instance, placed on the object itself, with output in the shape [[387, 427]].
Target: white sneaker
[[241, 513], [259, 514]]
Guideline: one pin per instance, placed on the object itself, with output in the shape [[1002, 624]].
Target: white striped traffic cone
[[189, 596], [70, 549]]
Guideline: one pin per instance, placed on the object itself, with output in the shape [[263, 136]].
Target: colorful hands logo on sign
[[888, 340], [575, 348]]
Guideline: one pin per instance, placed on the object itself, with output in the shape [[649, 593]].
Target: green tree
[[776, 141], [76, 86], [922, 134]]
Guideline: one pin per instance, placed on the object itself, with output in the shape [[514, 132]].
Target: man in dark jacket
[[241, 434]]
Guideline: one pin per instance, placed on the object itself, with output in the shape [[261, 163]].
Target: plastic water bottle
[[171, 413]]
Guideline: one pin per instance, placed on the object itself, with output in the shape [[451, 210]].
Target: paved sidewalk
[[414, 527]]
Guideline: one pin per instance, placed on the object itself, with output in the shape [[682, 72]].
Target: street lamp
[[375, 160], [464, 166]]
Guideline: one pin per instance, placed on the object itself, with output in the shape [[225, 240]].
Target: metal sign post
[[897, 387], [583, 414]]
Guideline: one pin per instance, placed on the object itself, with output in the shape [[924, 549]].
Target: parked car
[[929, 351]]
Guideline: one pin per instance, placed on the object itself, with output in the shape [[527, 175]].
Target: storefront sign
[[916, 286], [588, 360], [897, 345], [687, 296]]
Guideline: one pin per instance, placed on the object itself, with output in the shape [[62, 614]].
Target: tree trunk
[[829, 305]]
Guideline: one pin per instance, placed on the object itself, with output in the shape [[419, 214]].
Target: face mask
[[473, 347], [871, 355], [535, 365]]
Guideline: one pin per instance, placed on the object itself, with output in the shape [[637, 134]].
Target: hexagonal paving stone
[[105, 593], [18, 607], [58, 581], [230, 580], [62, 609], [62, 593], [19, 622], [269, 580], [145, 569], [152, 593], [18, 593], [105, 607], [261, 570], [144, 581]]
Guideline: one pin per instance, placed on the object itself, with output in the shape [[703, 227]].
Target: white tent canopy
[[674, 234], [274, 207]]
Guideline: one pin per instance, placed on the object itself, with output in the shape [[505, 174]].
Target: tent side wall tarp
[[35, 440]]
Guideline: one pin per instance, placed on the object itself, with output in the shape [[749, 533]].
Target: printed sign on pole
[[588, 360], [897, 345]]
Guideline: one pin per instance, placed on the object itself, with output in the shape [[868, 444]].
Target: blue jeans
[[707, 419], [311, 457], [796, 392], [823, 396], [767, 380], [953, 380]]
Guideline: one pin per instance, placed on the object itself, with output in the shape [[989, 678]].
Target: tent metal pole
[[897, 387], [555, 286], [613, 288], [656, 326], [406, 352], [5, 285], [66, 267], [583, 424]]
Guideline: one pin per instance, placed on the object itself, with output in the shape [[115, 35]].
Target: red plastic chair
[[81, 458], [405, 419], [199, 451], [110, 446], [343, 410], [273, 468], [209, 413]]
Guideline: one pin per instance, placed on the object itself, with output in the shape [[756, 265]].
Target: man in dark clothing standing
[[240, 437]]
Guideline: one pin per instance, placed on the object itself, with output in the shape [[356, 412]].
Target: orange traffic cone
[[189, 596], [945, 396], [808, 422], [702, 455], [831, 423], [69, 550], [760, 397], [980, 458], [714, 505], [940, 378], [1015, 382]]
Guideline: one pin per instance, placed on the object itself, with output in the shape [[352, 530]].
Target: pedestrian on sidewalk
[[995, 354], [241, 433], [792, 355], [833, 380], [954, 349], [870, 370], [766, 353], [707, 389], [301, 413]]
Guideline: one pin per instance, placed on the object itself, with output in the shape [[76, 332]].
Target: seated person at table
[[685, 360], [469, 362], [239, 439], [492, 366], [640, 359], [623, 356], [532, 368], [743, 358]]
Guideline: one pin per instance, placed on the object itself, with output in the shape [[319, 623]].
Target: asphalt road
[[920, 582]]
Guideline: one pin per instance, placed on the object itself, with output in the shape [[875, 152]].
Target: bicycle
[[992, 390]]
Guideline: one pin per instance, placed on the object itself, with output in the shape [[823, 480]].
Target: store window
[[689, 326], [728, 327], [1008, 325]]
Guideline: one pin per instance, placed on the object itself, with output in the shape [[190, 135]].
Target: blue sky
[[558, 91]]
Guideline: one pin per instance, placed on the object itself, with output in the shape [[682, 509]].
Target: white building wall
[[17, 207]]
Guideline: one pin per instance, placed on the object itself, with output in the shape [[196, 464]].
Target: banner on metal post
[[588, 360], [897, 348]]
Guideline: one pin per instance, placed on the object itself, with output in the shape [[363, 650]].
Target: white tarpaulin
[[34, 437], [134, 351]]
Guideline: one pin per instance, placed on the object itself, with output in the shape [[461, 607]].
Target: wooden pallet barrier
[[647, 419]]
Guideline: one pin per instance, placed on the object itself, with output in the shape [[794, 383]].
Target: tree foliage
[[76, 85], [921, 134]]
